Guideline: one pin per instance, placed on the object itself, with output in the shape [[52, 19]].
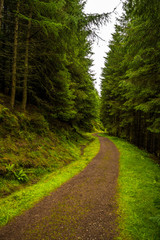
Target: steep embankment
[[30, 149]]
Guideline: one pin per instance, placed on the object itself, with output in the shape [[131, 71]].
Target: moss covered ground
[[37, 154]]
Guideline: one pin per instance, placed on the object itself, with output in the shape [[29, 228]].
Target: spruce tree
[[132, 69]]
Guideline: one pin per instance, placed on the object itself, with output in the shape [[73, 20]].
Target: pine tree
[[44, 59], [1, 12], [14, 64], [26, 64], [133, 79]]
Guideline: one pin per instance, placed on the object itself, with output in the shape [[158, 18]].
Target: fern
[[21, 176]]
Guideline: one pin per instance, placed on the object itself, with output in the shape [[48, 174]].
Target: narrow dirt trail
[[83, 208]]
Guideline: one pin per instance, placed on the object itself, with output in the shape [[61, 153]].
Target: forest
[[98, 152], [48, 102], [131, 77], [45, 60]]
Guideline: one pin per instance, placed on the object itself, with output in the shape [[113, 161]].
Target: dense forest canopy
[[44, 58], [131, 76], [45, 49]]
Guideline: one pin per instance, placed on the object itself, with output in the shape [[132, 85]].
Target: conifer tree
[[14, 63], [132, 70], [24, 99], [1, 12], [44, 59]]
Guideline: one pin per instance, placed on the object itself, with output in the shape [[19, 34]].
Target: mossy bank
[[32, 149]]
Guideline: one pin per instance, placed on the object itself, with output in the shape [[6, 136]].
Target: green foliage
[[23, 199], [24, 121], [21, 176], [38, 124], [130, 84], [10, 167], [17, 174], [156, 218], [17, 123], [8, 121], [32, 149], [138, 193], [56, 68]]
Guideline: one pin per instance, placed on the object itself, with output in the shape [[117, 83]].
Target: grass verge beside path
[[138, 194], [24, 199]]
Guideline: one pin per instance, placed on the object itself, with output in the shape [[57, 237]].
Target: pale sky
[[101, 47]]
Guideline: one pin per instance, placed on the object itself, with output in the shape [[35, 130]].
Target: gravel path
[[83, 208]]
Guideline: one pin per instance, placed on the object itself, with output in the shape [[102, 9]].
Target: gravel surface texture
[[82, 208]]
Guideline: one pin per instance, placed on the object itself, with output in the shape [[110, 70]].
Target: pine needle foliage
[[131, 77], [51, 68]]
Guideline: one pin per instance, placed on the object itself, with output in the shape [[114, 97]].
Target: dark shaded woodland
[[44, 61], [131, 77]]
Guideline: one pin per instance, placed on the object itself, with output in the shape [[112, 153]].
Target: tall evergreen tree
[[1, 12], [44, 59], [14, 63], [135, 77]]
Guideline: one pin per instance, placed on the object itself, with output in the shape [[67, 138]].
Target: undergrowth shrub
[[2, 170], [13, 173], [156, 218], [21, 176], [8, 121], [24, 121], [29, 149], [40, 171], [39, 124], [18, 122]]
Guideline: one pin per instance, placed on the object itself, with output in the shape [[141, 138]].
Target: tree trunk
[[1, 46], [1, 10], [24, 100], [14, 65]]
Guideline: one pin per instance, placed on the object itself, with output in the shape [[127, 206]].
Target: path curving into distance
[[82, 208]]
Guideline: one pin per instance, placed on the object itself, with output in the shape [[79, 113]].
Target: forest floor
[[82, 208]]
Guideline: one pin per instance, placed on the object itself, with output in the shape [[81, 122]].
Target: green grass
[[27, 157], [138, 194], [25, 198]]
